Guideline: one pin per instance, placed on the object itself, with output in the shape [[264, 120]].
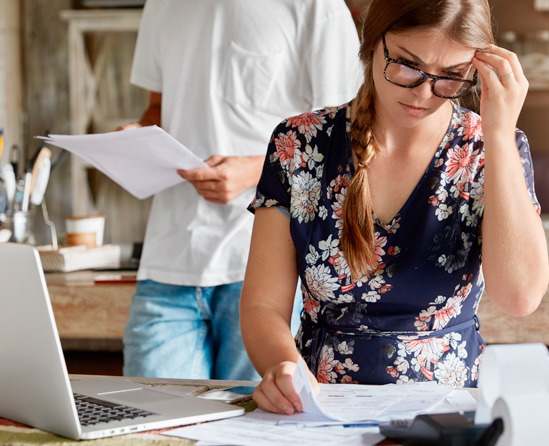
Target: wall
[[10, 75], [46, 101], [46, 98]]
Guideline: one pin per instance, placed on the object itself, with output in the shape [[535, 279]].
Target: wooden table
[[89, 316], [16, 434]]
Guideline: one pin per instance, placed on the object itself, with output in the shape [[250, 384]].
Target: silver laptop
[[34, 384]]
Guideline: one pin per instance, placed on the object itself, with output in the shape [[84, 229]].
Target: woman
[[397, 210]]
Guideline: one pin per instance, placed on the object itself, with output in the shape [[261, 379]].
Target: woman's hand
[[503, 93], [276, 393]]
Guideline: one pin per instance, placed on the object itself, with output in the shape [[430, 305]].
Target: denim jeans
[[187, 332]]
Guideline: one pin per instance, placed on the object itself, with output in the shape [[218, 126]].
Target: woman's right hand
[[275, 393]]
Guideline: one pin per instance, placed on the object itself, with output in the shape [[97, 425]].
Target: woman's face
[[427, 51]]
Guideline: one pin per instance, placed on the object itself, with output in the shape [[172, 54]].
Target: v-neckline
[[401, 212]]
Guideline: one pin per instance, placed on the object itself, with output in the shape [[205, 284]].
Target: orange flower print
[[460, 162], [346, 379], [379, 243], [307, 124], [472, 128], [311, 307], [285, 147], [451, 309], [326, 367]]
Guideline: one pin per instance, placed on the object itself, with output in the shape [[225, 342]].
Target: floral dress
[[414, 318]]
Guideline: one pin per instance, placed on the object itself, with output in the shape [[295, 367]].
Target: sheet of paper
[[143, 160], [350, 403], [243, 432]]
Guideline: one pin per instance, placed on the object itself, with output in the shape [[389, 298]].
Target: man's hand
[[129, 126], [227, 177]]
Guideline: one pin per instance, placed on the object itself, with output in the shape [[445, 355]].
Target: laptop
[[34, 384]]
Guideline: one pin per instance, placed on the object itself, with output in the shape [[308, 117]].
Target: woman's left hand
[[503, 93]]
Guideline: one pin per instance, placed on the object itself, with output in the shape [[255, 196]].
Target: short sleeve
[[146, 69], [527, 167], [274, 187], [333, 70]]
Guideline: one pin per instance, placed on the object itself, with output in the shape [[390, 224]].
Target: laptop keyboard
[[92, 411]]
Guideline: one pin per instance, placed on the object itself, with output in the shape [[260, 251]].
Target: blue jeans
[[187, 332]]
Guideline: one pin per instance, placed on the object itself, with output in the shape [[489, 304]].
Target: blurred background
[[65, 66]]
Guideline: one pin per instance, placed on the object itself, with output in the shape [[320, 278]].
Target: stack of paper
[[341, 413], [143, 161]]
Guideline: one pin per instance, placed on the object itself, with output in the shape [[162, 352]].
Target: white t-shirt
[[229, 71]]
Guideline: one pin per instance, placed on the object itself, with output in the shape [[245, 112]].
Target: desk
[[18, 435], [89, 316]]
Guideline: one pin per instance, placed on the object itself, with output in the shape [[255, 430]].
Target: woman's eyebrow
[[418, 61]]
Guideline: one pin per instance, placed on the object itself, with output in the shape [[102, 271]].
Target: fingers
[[197, 175], [128, 126], [505, 62], [276, 392]]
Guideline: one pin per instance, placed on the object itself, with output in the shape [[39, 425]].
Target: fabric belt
[[320, 332]]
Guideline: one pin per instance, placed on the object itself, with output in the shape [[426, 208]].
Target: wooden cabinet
[[101, 44]]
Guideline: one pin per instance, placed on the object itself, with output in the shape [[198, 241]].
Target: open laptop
[[34, 384]]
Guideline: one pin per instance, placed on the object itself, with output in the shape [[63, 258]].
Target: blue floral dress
[[414, 319]]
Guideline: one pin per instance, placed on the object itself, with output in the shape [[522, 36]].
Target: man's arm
[[151, 116]]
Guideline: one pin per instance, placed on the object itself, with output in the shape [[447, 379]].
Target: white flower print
[[319, 170], [313, 255], [443, 212], [323, 212], [350, 365], [403, 379], [477, 195], [337, 207], [344, 299], [452, 339], [320, 282], [439, 300], [442, 194], [328, 247], [402, 365], [371, 296], [344, 349], [305, 197], [451, 372], [311, 156]]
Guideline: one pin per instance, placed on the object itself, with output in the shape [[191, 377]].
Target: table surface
[[16, 434]]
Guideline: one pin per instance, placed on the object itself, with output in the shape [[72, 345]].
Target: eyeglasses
[[407, 76]]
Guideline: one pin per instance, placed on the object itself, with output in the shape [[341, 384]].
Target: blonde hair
[[468, 22]]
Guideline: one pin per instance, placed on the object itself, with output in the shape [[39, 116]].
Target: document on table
[[349, 403], [143, 161], [341, 413], [242, 431]]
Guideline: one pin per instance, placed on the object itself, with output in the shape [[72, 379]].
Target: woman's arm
[[266, 309], [514, 248]]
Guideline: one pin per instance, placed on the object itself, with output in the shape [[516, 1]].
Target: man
[[222, 74]]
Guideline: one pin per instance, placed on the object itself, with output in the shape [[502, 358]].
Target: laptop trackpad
[[139, 396]]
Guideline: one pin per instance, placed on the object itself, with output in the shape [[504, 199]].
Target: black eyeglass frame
[[426, 76]]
